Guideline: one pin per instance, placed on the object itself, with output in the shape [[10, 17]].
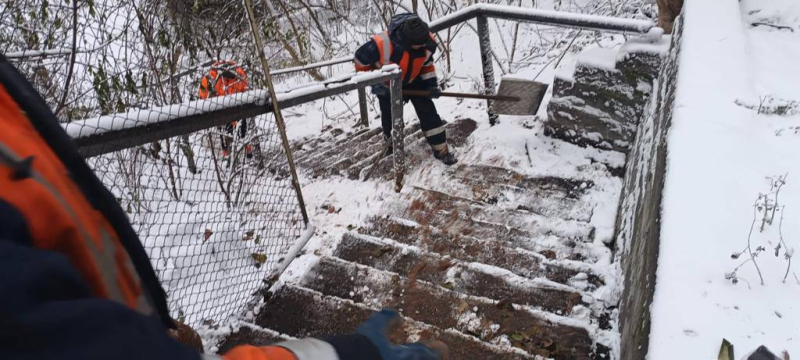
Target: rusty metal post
[[362, 104], [276, 110], [398, 127], [488, 66]]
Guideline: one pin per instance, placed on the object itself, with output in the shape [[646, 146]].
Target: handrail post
[[488, 66], [398, 135], [362, 104]]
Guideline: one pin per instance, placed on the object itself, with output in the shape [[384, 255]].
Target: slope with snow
[[727, 195]]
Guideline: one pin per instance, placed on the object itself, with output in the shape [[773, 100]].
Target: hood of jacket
[[396, 33]]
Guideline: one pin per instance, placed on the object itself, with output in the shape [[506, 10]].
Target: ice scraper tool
[[514, 96]]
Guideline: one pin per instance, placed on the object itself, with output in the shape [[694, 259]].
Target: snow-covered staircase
[[352, 154], [496, 264]]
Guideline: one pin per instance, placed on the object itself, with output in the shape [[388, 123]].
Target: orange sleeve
[[360, 66], [203, 92], [248, 352]]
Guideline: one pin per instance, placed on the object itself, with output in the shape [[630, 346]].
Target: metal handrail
[[544, 17], [99, 136], [506, 12]]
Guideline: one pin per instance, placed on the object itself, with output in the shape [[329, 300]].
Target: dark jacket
[[419, 67]]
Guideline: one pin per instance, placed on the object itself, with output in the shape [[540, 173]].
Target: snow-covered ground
[[734, 135]]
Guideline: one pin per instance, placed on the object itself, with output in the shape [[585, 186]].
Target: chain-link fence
[[212, 200], [213, 210]]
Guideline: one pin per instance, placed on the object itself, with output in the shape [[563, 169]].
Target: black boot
[[445, 156]]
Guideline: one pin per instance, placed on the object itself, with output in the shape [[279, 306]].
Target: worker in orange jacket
[[226, 78], [408, 43], [75, 281]]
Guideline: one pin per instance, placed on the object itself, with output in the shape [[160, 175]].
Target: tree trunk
[[668, 10]]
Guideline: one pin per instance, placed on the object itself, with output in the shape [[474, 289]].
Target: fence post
[[276, 110], [398, 135], [488, 66], [362, 104]]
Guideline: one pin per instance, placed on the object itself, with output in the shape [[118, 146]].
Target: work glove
[[380, 90], [435, 92], [375, 329]]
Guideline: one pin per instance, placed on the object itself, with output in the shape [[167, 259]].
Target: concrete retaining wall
[[600, 104], [639, 219]]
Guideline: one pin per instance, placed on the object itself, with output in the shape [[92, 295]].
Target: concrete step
[[301, 312], [465, 278], [316, 143], [340, 157], [505, 189], [417, 150], [468, 249], [426, 206], [487, 319], [456, 223], [325, 146], [550, 246]]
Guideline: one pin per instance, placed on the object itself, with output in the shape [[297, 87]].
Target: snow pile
[[728, 153]]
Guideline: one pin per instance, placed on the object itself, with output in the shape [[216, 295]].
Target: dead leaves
[[259, 257], [207, 235], [330, 209], [535, 340]]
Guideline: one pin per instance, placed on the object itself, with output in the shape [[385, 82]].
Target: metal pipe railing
[[544, 17], [115, 132], [505, 12]]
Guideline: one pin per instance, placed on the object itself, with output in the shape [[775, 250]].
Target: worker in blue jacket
[[408, 43]]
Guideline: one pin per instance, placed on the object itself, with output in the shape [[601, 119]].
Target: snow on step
[[417, 150], [550, 246], [483, 318], [518, 261], [342, 156], [338, 146], [461, 277], [422, 206], [309, 146], [506, 189], [301, 312]]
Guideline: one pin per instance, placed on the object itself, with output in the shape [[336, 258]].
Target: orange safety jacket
[[76, 282], [224, 78], [389, 48]]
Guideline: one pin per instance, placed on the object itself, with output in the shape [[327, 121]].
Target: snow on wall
[[637, 238], [723, 147]]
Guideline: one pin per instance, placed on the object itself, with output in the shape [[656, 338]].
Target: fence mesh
[[215, 209]]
